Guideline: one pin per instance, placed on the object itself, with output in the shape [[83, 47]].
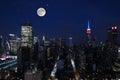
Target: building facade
[[26, 35], [14, 42]]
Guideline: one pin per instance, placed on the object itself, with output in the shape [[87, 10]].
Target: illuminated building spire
[[88, 32], [88, 28], [88, 25]]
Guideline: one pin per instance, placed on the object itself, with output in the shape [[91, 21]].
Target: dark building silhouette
[[0, 46], [113, 34], [23, 61]]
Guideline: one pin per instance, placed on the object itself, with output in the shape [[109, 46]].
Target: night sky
[[63, 17]]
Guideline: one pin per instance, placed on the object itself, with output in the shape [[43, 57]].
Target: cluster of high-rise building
[[62, 59]]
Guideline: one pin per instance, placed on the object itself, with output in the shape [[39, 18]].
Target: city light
[[114, 28]]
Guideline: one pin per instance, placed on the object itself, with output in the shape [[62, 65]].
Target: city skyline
[[63, 18]]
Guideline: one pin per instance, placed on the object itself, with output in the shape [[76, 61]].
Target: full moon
[[41, 12]]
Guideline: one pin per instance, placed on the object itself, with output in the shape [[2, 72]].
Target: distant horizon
[[75, 39], [82, 37]]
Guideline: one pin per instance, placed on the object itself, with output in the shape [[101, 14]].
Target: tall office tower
[[14, 43], [26, 35], [88, 32], [113, 34], [36, 45]]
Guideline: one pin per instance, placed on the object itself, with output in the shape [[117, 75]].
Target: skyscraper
[[26, 35], [88, 32], [113, 34], [14, 42], [23, 59]]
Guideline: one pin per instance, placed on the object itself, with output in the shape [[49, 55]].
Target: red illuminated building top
[[88, 31], [114, 28]]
